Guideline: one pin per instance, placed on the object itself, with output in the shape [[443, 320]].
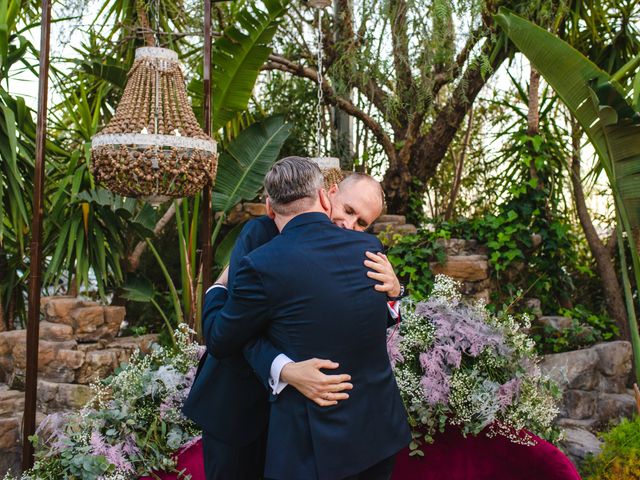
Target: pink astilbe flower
[[115, 455], [436, 390], [509, 392], [460, 330], [98, 445], [393, 347], [130, 448], [435, 382]]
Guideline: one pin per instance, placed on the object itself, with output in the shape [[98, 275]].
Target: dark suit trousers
[[224, 462], [380, 471]]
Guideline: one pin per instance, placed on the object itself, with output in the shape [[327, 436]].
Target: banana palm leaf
[[613, 126], [597, 102], [238, 56], [246, 160]]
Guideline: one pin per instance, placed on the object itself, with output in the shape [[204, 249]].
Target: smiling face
[[355, 204]]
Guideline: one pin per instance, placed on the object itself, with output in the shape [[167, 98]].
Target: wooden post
[[206, 219], [33, 317]]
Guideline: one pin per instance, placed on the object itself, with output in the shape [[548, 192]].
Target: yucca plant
[[601, 106]]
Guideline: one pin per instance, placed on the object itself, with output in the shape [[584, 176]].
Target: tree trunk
[[397, 184], [11, 314], [429, 149], [342, 141], [603, 254], [533, 117], [143, 18], [533, 114], [457, 178], [133, 262], [3, 274]]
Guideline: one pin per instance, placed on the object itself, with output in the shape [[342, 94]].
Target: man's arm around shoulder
[[246, 312]]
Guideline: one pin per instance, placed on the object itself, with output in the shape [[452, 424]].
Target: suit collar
[[305, 219]]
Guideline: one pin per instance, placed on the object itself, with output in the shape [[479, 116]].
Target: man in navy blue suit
[[227, 399], [309, 292]]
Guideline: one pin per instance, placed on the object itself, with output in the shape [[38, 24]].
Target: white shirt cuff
[[278, 363], [215, 285], [394, 308]]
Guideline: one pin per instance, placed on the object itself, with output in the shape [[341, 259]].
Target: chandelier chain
[[156, 32], [320, 81]]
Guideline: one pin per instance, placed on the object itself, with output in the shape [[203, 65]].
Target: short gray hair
[[290, 182]]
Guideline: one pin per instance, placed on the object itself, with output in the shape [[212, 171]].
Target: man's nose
[[350, 223]]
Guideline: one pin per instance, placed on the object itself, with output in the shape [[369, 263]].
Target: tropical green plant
[[90, 231], [237, 57], [598, 102], [17, 151], [243, 165], [412, 257]]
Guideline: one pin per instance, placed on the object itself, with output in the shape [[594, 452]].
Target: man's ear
[[270, 213], [324, 201], [334, 189]]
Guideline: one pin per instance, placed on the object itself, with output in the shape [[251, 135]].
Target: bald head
[[356, 202]]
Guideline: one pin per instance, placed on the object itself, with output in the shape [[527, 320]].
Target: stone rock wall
[[593, 383], [243, 212], [466, 261], [78, 345]]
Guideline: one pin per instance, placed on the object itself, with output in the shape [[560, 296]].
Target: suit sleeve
[[254, 234], [260, 354], [245, 314], [214, 300]]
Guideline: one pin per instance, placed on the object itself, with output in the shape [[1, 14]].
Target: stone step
[[396, 229], [59, 397], [11, 401], [555, 322], [590, 424], [579, 443], [469, 268], [89, 321], [393, 219], [614, 406]]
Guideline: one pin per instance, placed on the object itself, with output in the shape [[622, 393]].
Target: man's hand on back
[[307, 378], [383, 272]]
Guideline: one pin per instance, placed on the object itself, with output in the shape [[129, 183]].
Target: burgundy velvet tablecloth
[[451, 457]]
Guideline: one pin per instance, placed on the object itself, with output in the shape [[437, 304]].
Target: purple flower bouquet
[[457, 363]]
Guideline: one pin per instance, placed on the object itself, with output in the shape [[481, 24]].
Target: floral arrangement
[[132, 426], [457, 363]]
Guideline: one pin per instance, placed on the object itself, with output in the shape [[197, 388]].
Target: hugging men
[[303, 295]]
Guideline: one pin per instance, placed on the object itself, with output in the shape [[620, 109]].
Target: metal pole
[[206, 219], [33, 318]]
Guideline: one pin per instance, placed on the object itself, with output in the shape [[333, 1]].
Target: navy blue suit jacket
[[308, 291], [227, 399]]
